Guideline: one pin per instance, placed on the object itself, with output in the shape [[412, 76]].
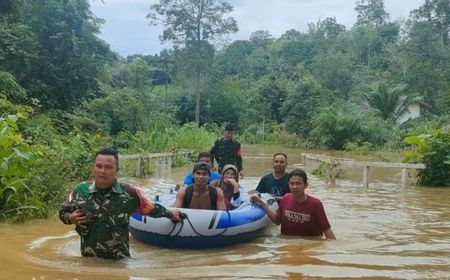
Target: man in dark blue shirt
[[276, 182]]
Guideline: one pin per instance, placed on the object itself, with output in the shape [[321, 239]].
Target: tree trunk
[[197, 100]]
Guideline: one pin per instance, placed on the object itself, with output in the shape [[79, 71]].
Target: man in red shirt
[[299, 213]]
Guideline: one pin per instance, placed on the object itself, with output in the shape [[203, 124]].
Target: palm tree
[[389, 101]]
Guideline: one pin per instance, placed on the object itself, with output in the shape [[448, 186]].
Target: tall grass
[[188, 137]]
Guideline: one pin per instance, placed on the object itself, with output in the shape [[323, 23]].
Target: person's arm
[[329, 234], [260, 187], [239, 160], [322, 219], [69, 214], [272, 215], [213, 154], [277, 198], [66, 209], [179, 198], [155, 210], [237, 197], [160, 211], [220, 200]]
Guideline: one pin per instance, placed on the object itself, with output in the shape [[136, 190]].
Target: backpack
[[190, 191]]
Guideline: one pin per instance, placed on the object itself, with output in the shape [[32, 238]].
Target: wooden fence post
[[366, 176], [404, 183], [137, 172]]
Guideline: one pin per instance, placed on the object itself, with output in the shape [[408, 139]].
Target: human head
[[226, 172], [279, 163], [201, 166], [229, 132], [298, 182], [105, 168], [300, 173], [201, 173], [204, 157], [109, 152]]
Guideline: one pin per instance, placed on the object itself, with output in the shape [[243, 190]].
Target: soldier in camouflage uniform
[[226, 150], [101, 210]]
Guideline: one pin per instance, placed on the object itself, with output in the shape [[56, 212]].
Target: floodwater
[[383, 232]]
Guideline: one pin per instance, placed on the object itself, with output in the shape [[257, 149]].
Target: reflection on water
[[383, 232]]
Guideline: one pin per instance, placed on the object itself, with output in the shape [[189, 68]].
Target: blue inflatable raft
[[202, 229]]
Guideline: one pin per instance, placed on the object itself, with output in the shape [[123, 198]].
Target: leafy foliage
[[17, 158], [336, 126], [433, 150], [54, 44], [301, 106], [388, 101], [371, 12]]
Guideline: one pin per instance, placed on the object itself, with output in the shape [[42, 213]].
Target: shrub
[[434, 151], [17, 158]]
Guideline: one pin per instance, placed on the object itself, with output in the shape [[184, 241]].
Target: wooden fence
[[333, 165], [145, 163]]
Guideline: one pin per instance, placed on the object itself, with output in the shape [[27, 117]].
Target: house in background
[[416, 108]]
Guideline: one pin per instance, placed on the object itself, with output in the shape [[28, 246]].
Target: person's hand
[[78, 217], [234, 183], [176, 215], [256, 200], [253, 191], [241, 174]]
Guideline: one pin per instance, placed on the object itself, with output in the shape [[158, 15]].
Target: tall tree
[[327, 28], [53, 51], [371, 12], [429, 51], [191, 22], [301, 105], [436, 13]]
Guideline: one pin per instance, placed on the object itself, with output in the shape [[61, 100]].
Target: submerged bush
[[434, 151]]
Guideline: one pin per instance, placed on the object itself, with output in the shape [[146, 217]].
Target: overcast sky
[[128, 31]]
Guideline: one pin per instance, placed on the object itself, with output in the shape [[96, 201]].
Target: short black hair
[[300, 173], [280, 154], [109, 152], [229, 127], [201, 166], [203, 154]]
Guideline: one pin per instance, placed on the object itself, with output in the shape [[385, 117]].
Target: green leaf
[[21, 154], [13, 117]]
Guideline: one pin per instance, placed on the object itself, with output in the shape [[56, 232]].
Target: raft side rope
[[202, 235]]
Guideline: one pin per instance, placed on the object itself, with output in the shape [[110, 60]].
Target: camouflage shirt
[[108, 211], [227, 152]]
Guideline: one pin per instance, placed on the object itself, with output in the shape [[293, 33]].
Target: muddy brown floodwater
[[383, 232]]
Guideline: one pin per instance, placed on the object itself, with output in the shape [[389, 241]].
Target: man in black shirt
[[276, 182], [226, 150]]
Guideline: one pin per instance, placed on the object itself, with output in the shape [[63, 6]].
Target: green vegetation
[[64, 93], [433, 150]]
